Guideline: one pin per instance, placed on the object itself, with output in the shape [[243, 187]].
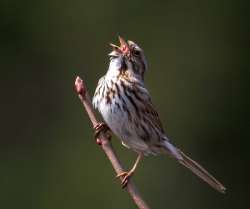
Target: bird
[[127, 109]]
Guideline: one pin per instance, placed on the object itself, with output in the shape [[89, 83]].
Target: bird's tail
[[195, 167]]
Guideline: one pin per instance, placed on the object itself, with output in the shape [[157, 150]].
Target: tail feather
[[196, 168], [201, 172]]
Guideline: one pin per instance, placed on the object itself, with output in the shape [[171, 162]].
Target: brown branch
[[105, 143]]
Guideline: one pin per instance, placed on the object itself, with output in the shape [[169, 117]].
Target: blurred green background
[[198, 77]]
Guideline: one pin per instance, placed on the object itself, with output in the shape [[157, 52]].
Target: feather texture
[[125, 104]]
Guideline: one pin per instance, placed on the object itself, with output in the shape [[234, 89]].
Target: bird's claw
[[125, 177], [101, 127]]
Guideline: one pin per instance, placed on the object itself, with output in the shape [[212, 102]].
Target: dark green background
[[198, 77]]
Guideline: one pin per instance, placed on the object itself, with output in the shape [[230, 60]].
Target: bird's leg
[[127, 174], [101, 127]]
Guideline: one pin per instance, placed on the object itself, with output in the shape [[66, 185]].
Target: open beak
[[115, 48], [123, 48], [123, 43]]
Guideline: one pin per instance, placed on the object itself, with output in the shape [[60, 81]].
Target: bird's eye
[[136, 53]]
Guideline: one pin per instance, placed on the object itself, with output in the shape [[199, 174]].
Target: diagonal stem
[[106, 145]]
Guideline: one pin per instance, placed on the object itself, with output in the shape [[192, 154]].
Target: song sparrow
[[125, 104]]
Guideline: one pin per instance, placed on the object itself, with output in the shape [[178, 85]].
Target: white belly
[[120, 124]]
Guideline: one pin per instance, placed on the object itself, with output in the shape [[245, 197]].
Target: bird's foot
[[125, 177], [99, 128]]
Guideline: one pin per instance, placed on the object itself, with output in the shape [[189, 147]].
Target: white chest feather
[[117, 108]]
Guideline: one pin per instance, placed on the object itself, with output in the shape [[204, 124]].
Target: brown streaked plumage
[[126, 106]]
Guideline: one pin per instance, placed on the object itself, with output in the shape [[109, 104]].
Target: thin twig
[[105, 143]]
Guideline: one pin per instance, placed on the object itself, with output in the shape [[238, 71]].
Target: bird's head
[[131, 56]]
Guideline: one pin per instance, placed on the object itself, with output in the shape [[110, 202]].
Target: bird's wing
[[151, 118], [150, 115], [153, 115]]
